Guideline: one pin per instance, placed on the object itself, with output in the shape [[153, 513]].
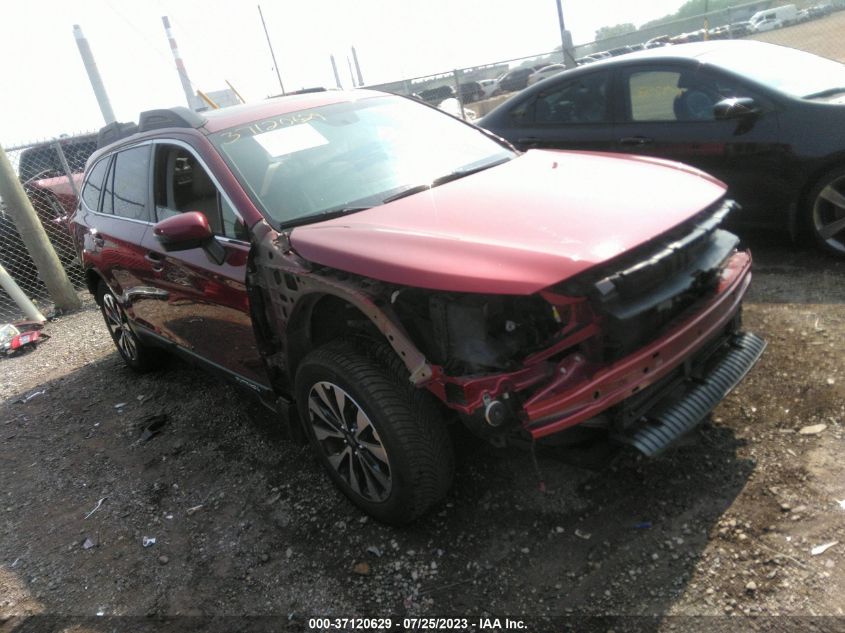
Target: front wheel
[[380, 439], [826, 212]]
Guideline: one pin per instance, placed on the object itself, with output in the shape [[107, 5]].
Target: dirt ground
[[245, 523]]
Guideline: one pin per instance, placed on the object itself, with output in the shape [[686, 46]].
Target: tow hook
[[495, 411]]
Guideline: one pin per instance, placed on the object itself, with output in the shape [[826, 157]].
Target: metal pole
[[14, 291], [93, 75], [458, 94], [336, 75], [35, 238], [272, 54], [66, 167], [565, 40], [193, 102], [357, 67]]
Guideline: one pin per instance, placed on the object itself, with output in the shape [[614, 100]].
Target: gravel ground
[[245, 523]]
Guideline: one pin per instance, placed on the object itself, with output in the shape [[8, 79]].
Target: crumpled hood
[[516, 228]]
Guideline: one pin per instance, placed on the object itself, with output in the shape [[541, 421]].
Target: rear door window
[[581, 100]]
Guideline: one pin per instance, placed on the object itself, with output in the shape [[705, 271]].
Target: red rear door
[[112, 220]]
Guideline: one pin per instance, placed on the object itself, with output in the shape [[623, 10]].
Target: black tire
[[397, 461], [825, 212], [139, 357]]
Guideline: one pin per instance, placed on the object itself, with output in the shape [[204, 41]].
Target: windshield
[[794, 72], [349, 156]]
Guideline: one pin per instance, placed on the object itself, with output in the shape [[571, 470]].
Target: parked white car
[[776, 18], [546, 71], [488, 87]]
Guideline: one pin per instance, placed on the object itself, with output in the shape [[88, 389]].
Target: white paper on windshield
[[288, 140]]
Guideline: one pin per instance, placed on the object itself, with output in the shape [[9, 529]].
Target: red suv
[[376, 270]]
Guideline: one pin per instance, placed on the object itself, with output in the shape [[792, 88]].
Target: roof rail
[[114, 132], [149, 120], [170, 117]]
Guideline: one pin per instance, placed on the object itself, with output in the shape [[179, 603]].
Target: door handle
[[635, 140]]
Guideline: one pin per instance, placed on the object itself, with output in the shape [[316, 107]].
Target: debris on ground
[[153, 425], [32, 395], [821, 549], [96, 507], [362, 568], [148, 541], [7, 333], [21, 337], [813, 429], [87, 544]]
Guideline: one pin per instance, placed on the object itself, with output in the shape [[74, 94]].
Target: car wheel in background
[[381, 439], [135, 354], [826, 212]]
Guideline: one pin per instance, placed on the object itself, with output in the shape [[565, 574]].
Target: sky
[[47, 92]]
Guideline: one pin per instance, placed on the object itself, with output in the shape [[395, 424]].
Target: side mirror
[[735, 108], [186, 231], [183, 232]]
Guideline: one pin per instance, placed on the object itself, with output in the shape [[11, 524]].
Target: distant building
[[223, 98]]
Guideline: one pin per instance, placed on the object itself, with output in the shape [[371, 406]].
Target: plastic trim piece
[[684, 414]]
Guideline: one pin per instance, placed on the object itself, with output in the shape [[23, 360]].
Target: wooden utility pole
[[35, 238]]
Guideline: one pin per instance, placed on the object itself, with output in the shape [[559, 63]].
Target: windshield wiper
[[328, 214], [829, 92], [455, 175]]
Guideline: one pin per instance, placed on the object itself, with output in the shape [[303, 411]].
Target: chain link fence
[[50, 173]]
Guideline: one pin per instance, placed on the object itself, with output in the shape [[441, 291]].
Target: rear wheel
[[826, 212], [381, 440], [135, 354]]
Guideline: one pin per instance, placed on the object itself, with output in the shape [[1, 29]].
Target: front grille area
[[641, 294]]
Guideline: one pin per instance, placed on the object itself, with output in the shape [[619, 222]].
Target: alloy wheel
[[829, 214], [118, 324], [349, 441]]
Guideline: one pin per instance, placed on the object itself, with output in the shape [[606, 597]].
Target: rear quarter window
[[94, 185], [129, 184]]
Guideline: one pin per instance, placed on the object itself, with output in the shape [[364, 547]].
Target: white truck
[[774, 18]]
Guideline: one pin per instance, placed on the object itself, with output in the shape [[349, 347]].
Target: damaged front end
[[615, 346], [622, 345]]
